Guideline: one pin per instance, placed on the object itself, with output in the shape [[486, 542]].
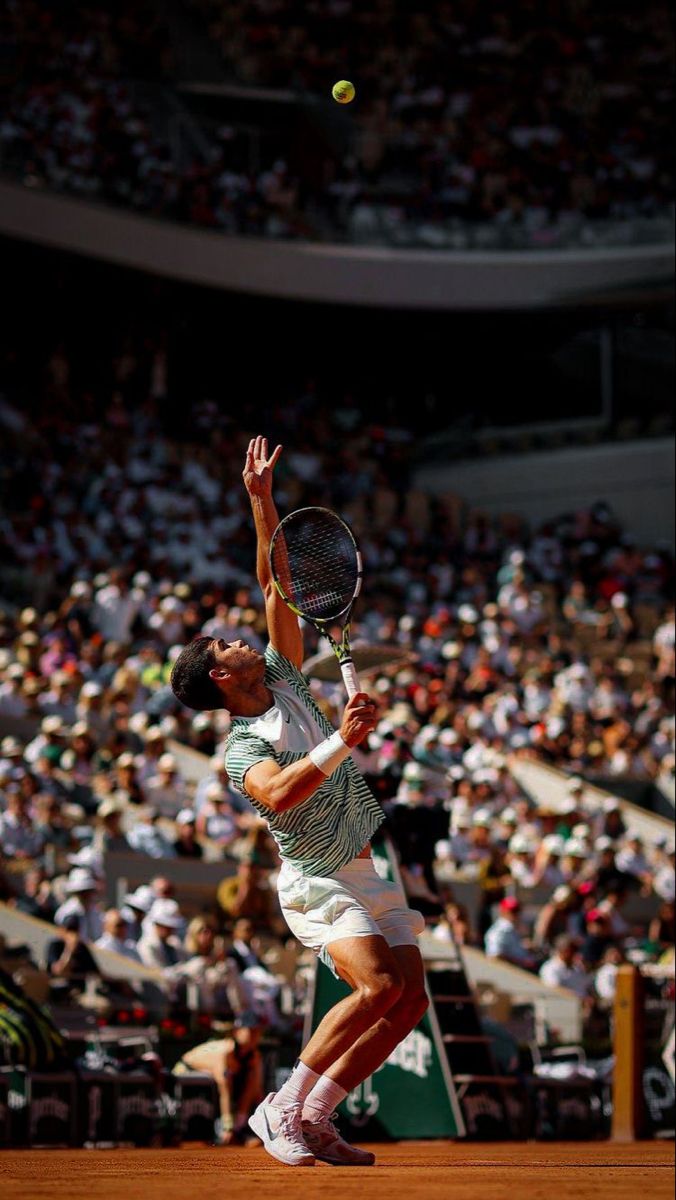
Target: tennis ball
[[343, 91]]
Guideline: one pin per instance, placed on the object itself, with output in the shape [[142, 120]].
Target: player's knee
[[381, 991]]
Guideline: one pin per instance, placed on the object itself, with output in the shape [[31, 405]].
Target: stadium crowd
[[119, 543], [504, 120]]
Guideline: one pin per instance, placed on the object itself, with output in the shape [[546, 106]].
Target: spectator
[[160, 947], [236, 1064], [114, 936], [503, 939], [82, 905], [19, 837], [186, 845], [147, 838], [215, 976], [564, 969]]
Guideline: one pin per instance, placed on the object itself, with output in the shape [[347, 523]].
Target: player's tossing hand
[[358, 720], [259, 466]]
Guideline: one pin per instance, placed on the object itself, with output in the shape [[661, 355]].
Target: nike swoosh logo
[[272, 1136], [288, 720]]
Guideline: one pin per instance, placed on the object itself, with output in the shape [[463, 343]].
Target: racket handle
[[350, 678]]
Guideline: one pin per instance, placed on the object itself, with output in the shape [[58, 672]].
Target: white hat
[[166, 913], [80, 589], [581, 832], [554, 844], [125, 760], [575, 784], [412, 772], [448, 737], [468, 614], [619, 600], [109, 809], [575, 849], [509, 817], [610, 804], [143, 898], [166, 762], [185, 817], [91, 688], [10, 747], [482, 818], [428, 733], [142, 579], [201, 721], [519, 844], [153, 733], [561, 894], [603, 843], [214, 792], [52, 725], [451, 650], [81, 880]]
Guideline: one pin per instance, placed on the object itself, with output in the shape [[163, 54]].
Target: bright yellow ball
[[343, 91]]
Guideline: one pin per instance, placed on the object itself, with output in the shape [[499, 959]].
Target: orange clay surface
[[412, 1170]]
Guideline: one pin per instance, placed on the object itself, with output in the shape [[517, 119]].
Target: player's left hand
[[259, 466]]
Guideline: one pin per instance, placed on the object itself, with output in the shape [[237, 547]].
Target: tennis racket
[[317, 571]]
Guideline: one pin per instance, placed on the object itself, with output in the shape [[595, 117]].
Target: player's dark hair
[[190, 680]]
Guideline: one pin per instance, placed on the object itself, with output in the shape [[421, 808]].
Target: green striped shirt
[[331, 827]]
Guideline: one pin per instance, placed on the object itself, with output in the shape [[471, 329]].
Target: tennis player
[[297, 771]]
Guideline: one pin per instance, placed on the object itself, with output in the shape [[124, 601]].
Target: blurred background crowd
[[121, 542], [531, 125]]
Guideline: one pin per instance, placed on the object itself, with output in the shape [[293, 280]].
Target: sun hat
[[10, 747], [554, 844], [185, 817], [142, 899], [575, 849], [81, 880], [166, 913], [482, 818], [52, 725], [520, 844]]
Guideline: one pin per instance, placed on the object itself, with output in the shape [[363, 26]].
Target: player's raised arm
[[283, 628]]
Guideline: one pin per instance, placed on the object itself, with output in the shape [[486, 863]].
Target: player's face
[[238, 659]]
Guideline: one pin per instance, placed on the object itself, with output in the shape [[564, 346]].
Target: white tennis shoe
[[324, 1141], [281, 1132]]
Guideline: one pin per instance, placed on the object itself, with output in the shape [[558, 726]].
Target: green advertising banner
[[411, 1095]]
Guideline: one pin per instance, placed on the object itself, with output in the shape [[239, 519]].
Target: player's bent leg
[[378, 1042], [371, 969], [319, 1130]]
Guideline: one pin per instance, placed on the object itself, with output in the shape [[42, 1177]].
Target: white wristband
[[328, 755]]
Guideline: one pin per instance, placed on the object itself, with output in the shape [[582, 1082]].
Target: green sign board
[[411, 1095]]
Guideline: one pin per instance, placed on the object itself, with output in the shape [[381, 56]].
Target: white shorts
[[354, 902]]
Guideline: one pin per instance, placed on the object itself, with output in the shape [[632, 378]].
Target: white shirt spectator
[[556, 973], [122, 946], [115, 612], [503, 941]]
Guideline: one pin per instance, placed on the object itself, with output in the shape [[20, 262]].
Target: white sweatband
[[328, 755]]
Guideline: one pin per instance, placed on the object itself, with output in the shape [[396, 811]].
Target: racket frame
[[341, 649]]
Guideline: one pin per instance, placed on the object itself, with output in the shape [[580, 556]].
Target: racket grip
[[350, 678]]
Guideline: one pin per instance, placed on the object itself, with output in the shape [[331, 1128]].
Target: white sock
[[297, 1087], [325, 1096]]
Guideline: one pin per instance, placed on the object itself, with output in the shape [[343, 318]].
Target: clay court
[[429, 1170]]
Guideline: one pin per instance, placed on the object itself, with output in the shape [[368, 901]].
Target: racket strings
[[315, 561]]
